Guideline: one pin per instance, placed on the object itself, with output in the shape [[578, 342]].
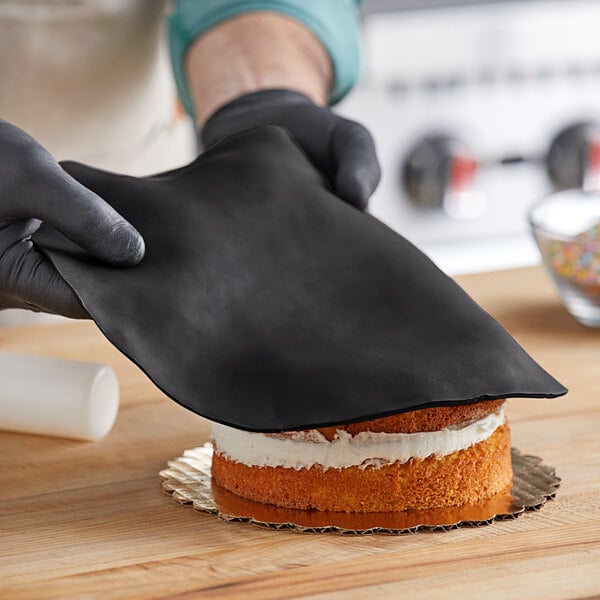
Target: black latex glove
[[34, 188], [342, 150]]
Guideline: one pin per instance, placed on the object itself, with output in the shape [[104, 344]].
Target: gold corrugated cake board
[[188, 480]]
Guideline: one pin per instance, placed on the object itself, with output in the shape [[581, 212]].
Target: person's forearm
[[252, 52]]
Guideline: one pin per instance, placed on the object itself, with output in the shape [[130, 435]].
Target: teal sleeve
[[335, 23]]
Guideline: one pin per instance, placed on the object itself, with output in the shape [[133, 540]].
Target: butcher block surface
[[90, 520]]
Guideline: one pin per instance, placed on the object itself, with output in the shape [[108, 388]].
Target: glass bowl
[[566, 227]]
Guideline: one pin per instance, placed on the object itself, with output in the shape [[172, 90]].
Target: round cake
[[429, 458]]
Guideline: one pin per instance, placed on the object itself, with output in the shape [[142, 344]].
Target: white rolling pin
[[63, 398]]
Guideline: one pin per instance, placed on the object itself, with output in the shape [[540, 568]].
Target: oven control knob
[[573, 159], [440, 173]]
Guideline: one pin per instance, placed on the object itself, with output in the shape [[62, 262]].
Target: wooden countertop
[[89, 520]]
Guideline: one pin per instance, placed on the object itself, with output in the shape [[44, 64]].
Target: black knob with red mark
[[440, 173], [573, 160]]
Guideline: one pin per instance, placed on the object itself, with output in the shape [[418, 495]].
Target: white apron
[[91, 81]]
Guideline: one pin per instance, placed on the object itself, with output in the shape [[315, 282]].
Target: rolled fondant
[[266, 303]]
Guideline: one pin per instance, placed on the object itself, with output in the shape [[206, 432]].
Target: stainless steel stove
[[478, 108]]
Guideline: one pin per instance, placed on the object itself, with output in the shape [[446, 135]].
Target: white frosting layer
[[305, 449]]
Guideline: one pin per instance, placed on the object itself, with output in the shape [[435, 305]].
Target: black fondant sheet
[[266, 303]]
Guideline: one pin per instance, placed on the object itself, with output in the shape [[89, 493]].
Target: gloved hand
[[342, 150], [34, 188]]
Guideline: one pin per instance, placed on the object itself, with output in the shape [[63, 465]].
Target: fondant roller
[[63, 398]]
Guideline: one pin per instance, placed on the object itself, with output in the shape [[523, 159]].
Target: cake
[[424, 459]]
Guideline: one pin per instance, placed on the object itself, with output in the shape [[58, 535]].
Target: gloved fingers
[[12, 232], [341, 149], [85, 218], [33, 185], [357, 171], [28, 280]]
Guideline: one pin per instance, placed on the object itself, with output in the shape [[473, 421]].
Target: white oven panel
[[488, 87]]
